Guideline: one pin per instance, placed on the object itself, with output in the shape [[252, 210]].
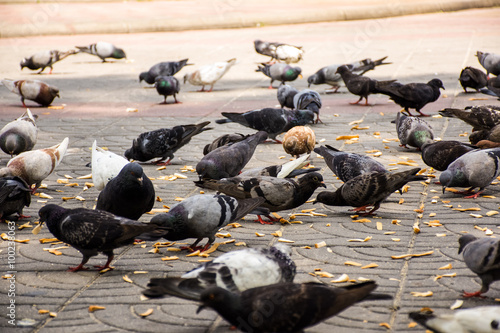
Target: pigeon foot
[[474, 294]]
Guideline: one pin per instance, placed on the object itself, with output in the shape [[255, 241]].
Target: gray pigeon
[[279, 72], [228, 161], [482, 256], [413, 131], [33, 90], [440, 154], [163, 143], [308, 99], [479, 117], [44, 59], [490, 62], [285, 95], [130, 194], [368, 189], [19, 135], [168, 68], [279, 51], [201, 216], [14, 196], [167, 86], [224, 140], [477, 168], [235, 271], [92, 231], [492, 87], [348, 165], [474, 78], [103, 50]]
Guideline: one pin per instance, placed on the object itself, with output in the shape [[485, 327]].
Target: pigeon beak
[[300, 76], [322, 184], [200, 308], [315, 202], [140, 180], [444, 189]]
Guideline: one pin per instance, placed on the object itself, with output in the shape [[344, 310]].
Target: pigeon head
[[143, 76], [453, 178], [24, 63], [219, 299], [313, 178], [292, 73], [13, 143], [313, 79], [5, 172], [119, 54], [330, 198], [342, 69], [464, 240], [133, 152], [132, 171], [51, 214], [436, 83]]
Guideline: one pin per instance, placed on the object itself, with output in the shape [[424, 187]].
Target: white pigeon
[[19, 135], [106, 165], [209, 74], [289, 53]]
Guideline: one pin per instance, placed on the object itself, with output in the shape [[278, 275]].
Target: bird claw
[[271, 220], [474, 294], [77, 268]]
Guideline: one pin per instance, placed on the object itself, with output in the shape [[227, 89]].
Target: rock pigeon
[[348, 165], [228, 161], [481, 255], [201, 216], [492, 87], [490, 62], [35, 165], [163, 143], [103, 50], [440, 154], [285, 95], [279, 193], [279, 72], [130, 194], [167, 86], [279, 51], [491, 135], [477, 168], [289, 169], [299, 140], [413, 131], [33, 90], [266, 48], [273, 121], [106, 165], [293, 306], [19, 135], [224, 140], [474, 78], [308, 99], [368, 189], [14, 196], [209, 74], [168, 68], [413, 95], [92, 231], [235, 271], [44, 59], [479, 117], [481, 319]]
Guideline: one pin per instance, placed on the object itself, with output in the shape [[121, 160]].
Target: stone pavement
[[95, 96]]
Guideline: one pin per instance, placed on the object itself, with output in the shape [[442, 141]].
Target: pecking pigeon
[[440, 154], [279, 51], [308, 99], [167, 86], [33, 90], [492, 87], [285, 95], [19, 135], [209, 74], [103, 50], [224, 140], [299, 140], [490, 62], [44, 59], [279, 72], [289, 169], [106, 165], [167, 68], [479, 117], [413, 131], [491, 136], [474, 78], [14, 196]]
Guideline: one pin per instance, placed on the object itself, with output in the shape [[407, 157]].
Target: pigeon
[[92, 231], [289, 169], [491, 135], [273, 121], [279, 51], [285, 307], [168, 68], [266, 48], [106, 165], [413, 131], [481, 255], [44, 59], [103, 50], [308, 99], [279, 193], [285, 95], [440, 154], [477, 168], [492, 87], [35, 165], [224, 140], [474, 78], [201, 216], [490, 62], [279, 72], [209, 74], [368, 189], [167, 86], [481, 319], [348, 165], [33, 90], [19, 135], [479, 117], [163, 143], [228, 161], [235, 271], [329, 75], [130, 194], [299, 140], [413, 95], [14, 196]]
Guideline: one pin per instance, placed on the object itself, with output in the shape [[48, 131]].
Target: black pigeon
[[413, 131], [235, 271], [294, 306], [44, 59], [492, 88], [440, 154], [308, 99], [285, 95], [279, 72], [201, 216], [130, 194], [348, 165], [479, 117], [168, 68], [14, 196], [273, 121], [228, 161], [224, 140], [92, 231], [167, 86], [413, 95], [103, 50], [368, 189], [474, 78], [163, 143]]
